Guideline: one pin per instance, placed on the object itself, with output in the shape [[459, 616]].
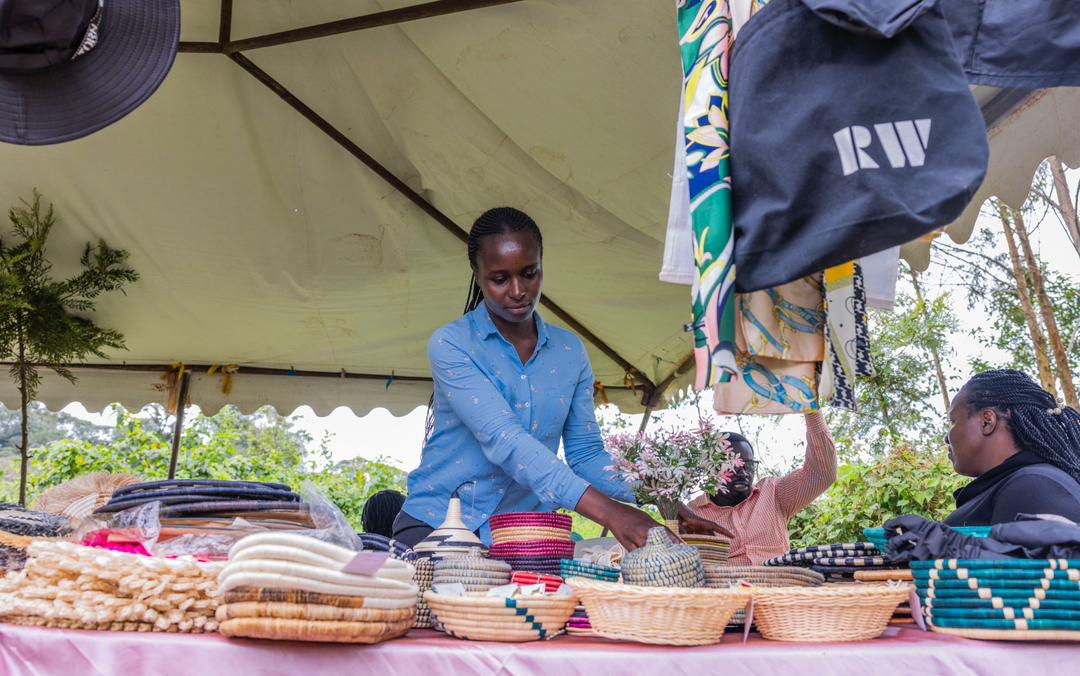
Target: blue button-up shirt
[[498, 424]]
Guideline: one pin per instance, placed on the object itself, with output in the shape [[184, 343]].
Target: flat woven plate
[[883, 575], [1012, 625], [1009, 635], [999, 583], [250, 594], [943, 564], [531, 519], [966, 593], [301, 611], [808, 558], [999, 603], [851, 561], [997, 574], [827, 550], [1002, 614], [311, 630]]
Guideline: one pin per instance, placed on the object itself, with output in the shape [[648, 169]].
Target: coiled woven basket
[[659, 615], [835, 612], [479, 617]]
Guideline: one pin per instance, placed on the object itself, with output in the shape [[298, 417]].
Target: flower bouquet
[[666, 466]]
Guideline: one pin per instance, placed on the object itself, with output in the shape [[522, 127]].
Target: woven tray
[[827, 613], [658, 615], [484, 618], [308, 611], [312, 630], [901, 574], [1009, 635]]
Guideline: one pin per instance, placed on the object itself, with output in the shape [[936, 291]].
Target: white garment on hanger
[[679, 265], [879, 278]]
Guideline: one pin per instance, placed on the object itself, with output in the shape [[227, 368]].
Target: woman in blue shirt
[[508, 388]]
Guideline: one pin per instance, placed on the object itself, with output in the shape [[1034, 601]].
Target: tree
[[894, 404], [47, 427], [42, 328]]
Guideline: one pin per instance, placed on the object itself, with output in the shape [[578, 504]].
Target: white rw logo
[[903, 141]]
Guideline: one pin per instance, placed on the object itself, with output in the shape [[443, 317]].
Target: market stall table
[[32, 650]]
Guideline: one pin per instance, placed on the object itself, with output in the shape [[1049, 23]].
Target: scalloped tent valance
[[294, 195]]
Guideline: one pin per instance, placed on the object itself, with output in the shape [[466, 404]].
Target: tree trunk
[[1046, 309], [934, 356], [24, 449], [1038, 338], [1065, 204]]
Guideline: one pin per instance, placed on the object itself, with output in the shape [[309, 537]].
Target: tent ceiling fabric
[[261, 242], [1046, 124]]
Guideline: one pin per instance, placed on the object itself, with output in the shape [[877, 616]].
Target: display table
[[906, 651]]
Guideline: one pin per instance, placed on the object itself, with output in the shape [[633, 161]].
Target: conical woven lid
[[452, 534]]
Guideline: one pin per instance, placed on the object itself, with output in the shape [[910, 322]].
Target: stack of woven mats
[[1011, 599], [534, 542], [837, 562], [475, 572], [202, 498], [722, 577], [21, 521], [579, 624], [714, 550], [292, 587], [64, 584]]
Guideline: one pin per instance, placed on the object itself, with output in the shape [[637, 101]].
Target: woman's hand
[[630, 526], [690, 522]]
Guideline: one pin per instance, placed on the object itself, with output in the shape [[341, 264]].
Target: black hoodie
[[1023, 484]]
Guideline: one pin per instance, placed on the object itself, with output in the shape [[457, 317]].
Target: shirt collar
[[485, 327], [992, 476]]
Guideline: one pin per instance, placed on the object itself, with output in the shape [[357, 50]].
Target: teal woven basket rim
[[1002, 613], [996, 574], [992, 584], [1016, 603], [1015, 625], [1004, 593], [947, 564], [873, 534]]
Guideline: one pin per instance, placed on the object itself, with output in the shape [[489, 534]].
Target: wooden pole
[[388, 17], [178, 428]]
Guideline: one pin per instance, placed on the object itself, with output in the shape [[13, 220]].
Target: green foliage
[[228, 446], [39, 327], [898, 402], [867, 494]]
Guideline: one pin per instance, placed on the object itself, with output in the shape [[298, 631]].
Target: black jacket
[[1023, 484]]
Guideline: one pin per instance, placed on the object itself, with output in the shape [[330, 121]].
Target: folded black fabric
[[197, 494], [229, 506], [913, 538]]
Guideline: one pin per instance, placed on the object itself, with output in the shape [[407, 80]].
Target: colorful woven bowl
[[482, 618], [533, 549], [572, 568], [531, 520]]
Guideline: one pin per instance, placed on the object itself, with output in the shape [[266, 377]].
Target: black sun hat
[[71, 67]]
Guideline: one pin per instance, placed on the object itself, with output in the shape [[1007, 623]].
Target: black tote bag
[[845, 141]]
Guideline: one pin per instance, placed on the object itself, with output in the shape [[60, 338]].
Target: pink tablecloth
[[28, 650]]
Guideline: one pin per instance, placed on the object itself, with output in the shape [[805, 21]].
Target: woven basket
[[313, 630], [659, 615], [1010, 635], [510, 534], [425, 571], [829, 613], [479, 617]]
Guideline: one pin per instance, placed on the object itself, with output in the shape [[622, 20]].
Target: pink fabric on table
[[31, 651]]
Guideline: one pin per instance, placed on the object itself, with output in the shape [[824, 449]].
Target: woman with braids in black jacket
[[1022, 447]]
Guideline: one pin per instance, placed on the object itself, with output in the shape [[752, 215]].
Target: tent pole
[[178, 428], [645, 418], [431, 210]]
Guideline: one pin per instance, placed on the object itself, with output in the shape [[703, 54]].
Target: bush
[[867, 494]]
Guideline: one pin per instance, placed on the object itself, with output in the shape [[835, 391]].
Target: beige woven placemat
[[314, 630], [257, 595], [309, 611]]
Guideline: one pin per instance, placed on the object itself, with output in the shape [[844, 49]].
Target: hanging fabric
[[847, 335], [820, 178], [780, 343], [705, 40]]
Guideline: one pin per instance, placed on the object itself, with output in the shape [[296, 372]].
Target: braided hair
[[1038, 422], [380, 511], [497, 221]]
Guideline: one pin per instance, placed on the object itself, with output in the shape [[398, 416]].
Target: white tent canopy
[[263, 242]]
